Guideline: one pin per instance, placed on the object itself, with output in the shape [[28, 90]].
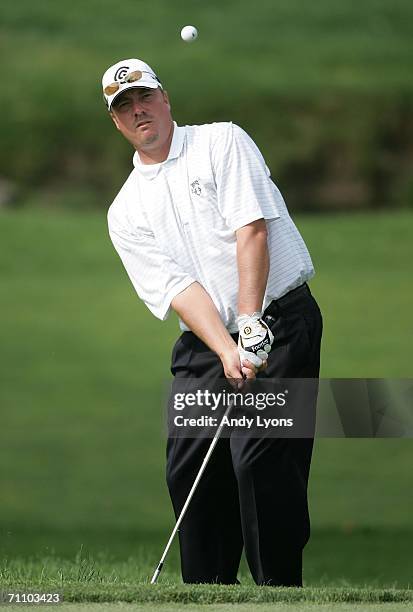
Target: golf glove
[[255, 339]]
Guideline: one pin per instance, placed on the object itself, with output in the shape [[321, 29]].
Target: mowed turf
[[82, 436], [273, 607]]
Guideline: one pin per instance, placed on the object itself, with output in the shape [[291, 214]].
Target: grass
[[273, 607], [103, 580], [84, 504], [33, 553]]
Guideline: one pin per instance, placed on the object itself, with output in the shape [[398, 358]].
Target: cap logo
[[121, 72]]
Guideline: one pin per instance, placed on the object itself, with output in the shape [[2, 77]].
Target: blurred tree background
[[324, 88]]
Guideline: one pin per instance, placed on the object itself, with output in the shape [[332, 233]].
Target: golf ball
[[189, 33]]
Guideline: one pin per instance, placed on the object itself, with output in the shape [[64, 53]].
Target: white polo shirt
[[174, 223]]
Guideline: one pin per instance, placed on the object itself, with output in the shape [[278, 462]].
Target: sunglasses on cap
[[132, 77]]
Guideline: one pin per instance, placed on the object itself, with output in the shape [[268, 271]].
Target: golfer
[[202, 229]]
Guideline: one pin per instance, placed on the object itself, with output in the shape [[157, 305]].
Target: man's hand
[[236, 373], [255, 339], [200, 314]]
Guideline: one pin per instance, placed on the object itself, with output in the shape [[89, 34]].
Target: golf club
[[190, 495]]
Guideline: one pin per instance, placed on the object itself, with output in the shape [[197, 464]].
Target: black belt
[[287, 301], [273, 310]]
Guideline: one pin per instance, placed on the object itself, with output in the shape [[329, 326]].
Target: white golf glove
[[255, 339]]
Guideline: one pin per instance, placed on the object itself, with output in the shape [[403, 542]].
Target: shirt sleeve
[[156, 277], [245, 191]]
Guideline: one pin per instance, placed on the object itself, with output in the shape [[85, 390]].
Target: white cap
[[127, 74]]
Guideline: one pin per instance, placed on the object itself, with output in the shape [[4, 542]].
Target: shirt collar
[[150, 171]]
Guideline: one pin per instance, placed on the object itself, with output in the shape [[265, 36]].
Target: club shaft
[[190, 495]]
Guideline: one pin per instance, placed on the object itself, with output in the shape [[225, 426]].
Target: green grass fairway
[[273, 607], [83, 499], [216, 596], [339, 556]]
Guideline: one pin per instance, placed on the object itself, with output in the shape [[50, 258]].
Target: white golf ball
[[189, 33]]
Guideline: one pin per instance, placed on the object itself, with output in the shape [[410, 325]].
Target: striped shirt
[[174, 223]]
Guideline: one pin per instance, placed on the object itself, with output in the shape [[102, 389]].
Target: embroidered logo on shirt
[[196, 187]]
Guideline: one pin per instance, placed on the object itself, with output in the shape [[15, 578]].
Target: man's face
[[143, 116]]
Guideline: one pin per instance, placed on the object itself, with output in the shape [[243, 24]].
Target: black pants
[[253, 492]]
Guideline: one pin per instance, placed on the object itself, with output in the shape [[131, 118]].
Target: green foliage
[[324, 88]]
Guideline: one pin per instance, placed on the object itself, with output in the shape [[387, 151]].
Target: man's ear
[[114, 119], [166, 98]]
